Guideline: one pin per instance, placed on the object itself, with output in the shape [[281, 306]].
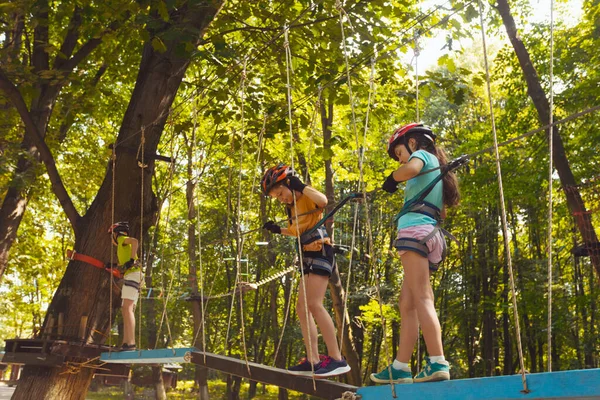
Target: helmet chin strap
[[407, 146]]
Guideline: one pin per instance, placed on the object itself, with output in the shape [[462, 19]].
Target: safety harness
[[73, 255], [418, 205], [318, 232]]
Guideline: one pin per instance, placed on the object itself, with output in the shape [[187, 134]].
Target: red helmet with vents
[[274, 176], [400, 137]]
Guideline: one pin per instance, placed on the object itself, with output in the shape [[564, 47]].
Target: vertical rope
[[162, 256], [239, 237], [313, 128], [142, 166], [112, 256], [502, 206], [550, 194], [417, 52], [289, 70], [369, 229], [342, 12]]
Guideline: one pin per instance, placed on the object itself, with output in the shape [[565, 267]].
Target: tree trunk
[[335, 284], [538, 96], [85, 290]]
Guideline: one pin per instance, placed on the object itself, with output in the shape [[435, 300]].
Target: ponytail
[[451, 193]]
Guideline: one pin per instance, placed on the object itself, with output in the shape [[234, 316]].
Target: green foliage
[[224, 155]]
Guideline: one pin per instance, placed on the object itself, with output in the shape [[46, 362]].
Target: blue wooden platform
[[156, 356], [577, 384]]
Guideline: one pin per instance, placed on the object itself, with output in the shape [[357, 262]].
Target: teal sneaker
[[433, 372], [398, 376]]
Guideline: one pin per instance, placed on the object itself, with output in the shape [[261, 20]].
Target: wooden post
[[49, 326], [61, 319], [83, 327]]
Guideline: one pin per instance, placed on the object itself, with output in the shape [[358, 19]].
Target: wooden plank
[[78, 350], [156, 356], [273, 376], [578, 384], [46, 360]]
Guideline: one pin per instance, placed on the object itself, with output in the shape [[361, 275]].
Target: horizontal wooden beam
[[40, 359], [273, 376]]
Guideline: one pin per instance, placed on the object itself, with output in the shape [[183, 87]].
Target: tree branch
[[32, 134], [70, 41], [89, 46]]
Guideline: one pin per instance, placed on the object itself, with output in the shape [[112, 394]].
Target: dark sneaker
[[398, 376], [433, 372], [127, 347], [304, 367], [330, 367]]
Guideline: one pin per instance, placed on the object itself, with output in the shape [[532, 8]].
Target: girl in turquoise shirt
[[421, 246]]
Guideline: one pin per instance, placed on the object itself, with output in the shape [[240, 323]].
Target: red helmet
[[400, 135], [273, 176], [119, 228]]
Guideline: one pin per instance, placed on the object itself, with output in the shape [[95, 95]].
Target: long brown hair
[[451, 193]]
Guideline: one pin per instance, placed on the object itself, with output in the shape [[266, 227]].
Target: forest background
[[205, 83]]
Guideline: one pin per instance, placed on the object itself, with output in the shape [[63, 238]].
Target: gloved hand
[[390, 185], [109, 266], [294, 183], [272, 227], [130, 264]]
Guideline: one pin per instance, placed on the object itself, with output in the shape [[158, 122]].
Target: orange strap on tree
[[73, 255]]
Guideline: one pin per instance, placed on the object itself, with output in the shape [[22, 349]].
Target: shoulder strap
[[452, 165]]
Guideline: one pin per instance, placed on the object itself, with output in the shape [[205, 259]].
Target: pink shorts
[[435, 244]]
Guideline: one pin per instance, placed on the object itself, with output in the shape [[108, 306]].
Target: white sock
[[437, 359], [401, 366]]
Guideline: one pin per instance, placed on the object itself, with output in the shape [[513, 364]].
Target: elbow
[[322, 203]]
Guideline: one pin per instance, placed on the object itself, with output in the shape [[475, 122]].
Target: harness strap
[[420, 197], [73, 255], [335, 209], [132, 284], [427, 209], [312, 235], [318, 262], [415, 245]]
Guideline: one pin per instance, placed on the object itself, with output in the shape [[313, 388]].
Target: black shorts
[[315, 262]]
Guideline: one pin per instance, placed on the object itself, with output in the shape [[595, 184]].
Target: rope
[[167, 226], [312, 130], [550, 194], [112, 256], [342, 12], [239, 237], [289, 71], [502, 205], [164, 317], [417, 52], [142, 166], [285, 317]]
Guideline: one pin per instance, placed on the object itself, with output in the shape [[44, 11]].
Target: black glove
[[295, 184], [390, 185], [129, 264], [272, 227], [110, 266]]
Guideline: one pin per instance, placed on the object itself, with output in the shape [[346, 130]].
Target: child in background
[[421, 246], [128, 261], [318, 263]]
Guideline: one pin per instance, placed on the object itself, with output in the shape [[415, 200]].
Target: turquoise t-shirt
[[415, 185]]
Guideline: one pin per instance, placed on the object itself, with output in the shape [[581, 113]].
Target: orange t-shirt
[[303, 205]]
